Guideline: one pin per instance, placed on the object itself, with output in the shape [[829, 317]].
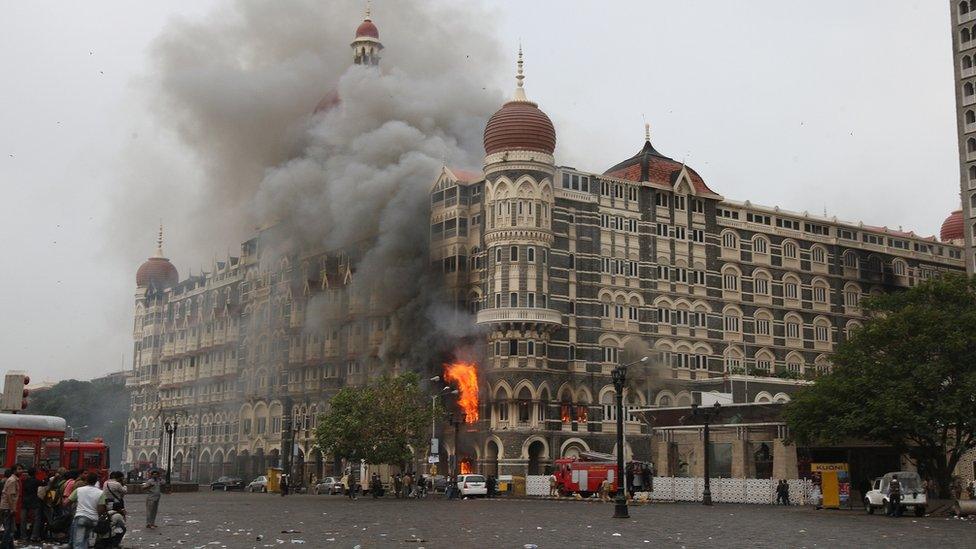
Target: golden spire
[[647, 131], [519, 77], [368, 10]]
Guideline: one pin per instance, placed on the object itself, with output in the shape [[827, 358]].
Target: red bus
[[91, 457], [31, 441]]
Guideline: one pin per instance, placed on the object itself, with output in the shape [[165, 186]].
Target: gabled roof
[[651, 166]]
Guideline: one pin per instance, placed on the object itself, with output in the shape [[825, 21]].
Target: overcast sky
[[844, 106]]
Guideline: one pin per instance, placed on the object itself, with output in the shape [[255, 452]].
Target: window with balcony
[[513, 299]]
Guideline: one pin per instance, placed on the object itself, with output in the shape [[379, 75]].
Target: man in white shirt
[[89, 505]]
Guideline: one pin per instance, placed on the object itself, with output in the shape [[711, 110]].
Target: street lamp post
[[619, 376], [171, 431], [707, 415]]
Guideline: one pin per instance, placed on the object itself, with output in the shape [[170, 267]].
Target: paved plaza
[[239, 520]]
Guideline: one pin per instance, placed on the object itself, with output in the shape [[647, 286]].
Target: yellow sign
[[835, 484], [827, 467]]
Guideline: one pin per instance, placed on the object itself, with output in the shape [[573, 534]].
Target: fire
[[465, 375], [466, 468]]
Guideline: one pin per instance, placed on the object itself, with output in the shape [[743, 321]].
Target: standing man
[[9, 500], [154, 491], [89, 503], [553, 485], [31, 511], [894, 497]]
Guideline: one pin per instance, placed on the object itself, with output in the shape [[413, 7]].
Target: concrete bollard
[[964, 507]]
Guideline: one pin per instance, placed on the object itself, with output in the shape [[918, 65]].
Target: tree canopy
[[907, 378], [91, 408], [378, 422]]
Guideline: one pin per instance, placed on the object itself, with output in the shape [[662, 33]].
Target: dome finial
[[159, 240], [368, 10], [647, 131], [519, 77]]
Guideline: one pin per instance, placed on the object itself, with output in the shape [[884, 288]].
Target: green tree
[[378, 422], [92, 409], [906, 379]]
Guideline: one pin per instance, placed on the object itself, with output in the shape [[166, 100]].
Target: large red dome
[[367, 29], [520, 125], [952, 227], [157, 271]]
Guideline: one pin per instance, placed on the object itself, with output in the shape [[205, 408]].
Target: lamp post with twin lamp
[[619, 376], [446, 390], [171, 432], [707, 413]]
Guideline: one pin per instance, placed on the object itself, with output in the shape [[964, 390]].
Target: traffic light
[[15, 391]]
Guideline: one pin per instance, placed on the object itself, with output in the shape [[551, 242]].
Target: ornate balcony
[[520, 315]]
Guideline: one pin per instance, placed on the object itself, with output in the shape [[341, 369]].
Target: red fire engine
[[585, 473], [38, 441]]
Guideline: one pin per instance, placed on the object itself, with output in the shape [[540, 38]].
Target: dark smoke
[[237, 90]]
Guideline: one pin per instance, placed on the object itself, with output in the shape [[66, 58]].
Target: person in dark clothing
[[630, 479], [646, 479], [490, 485], [894, 497], [782, 492], [31, 511], [284, 485]]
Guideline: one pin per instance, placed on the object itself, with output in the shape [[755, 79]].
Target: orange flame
[[465, 375], [466, 468]]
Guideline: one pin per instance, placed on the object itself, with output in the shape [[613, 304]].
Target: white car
[[259, 484], [912, 493], [472, 485]]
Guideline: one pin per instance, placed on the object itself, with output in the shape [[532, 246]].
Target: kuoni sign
[[835, 483]]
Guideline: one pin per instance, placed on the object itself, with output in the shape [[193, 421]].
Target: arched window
[[852, 295], [794, 363], [967, 62], [760, 245], [899, 267], [789, 249], [967, 89], [730, 279], [818, 254], [730, 240], [791, 287], [820, 291], [732, 320], [972, 173], [821, 330], [963, 7], [850, 259], [964, 35], [793, 326], [764, 360], [761, 283], [609, 408], [970, 117]]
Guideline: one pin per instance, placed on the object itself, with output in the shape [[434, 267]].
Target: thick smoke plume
[[239, 88]]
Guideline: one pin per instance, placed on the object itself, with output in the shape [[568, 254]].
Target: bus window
[[26, 452], [108, 460], [3, 449], [91, 460], [51, 453], [73, 459]]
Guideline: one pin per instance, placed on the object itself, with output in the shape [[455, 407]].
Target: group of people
[[783, 492], [38, 505]]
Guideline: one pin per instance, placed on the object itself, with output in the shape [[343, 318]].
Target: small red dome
[[157, 271], [367, 30], [520, 125], [952, 227]]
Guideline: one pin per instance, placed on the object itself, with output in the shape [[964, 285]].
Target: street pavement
[[243, 520]]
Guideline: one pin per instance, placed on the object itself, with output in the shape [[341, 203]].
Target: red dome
[[952, 228], [330, 100], [367, 29], [652, 166], [520, 125], [157, 271]]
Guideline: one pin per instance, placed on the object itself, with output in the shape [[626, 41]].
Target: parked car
[[259, 484], [472, 485], [227, 483], [328, 485], [912, 493]]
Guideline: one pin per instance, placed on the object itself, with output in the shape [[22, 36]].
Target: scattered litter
[[530, 546], [616, 534], [193, 522], [330, 539], [291, 531], [298, 541]]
